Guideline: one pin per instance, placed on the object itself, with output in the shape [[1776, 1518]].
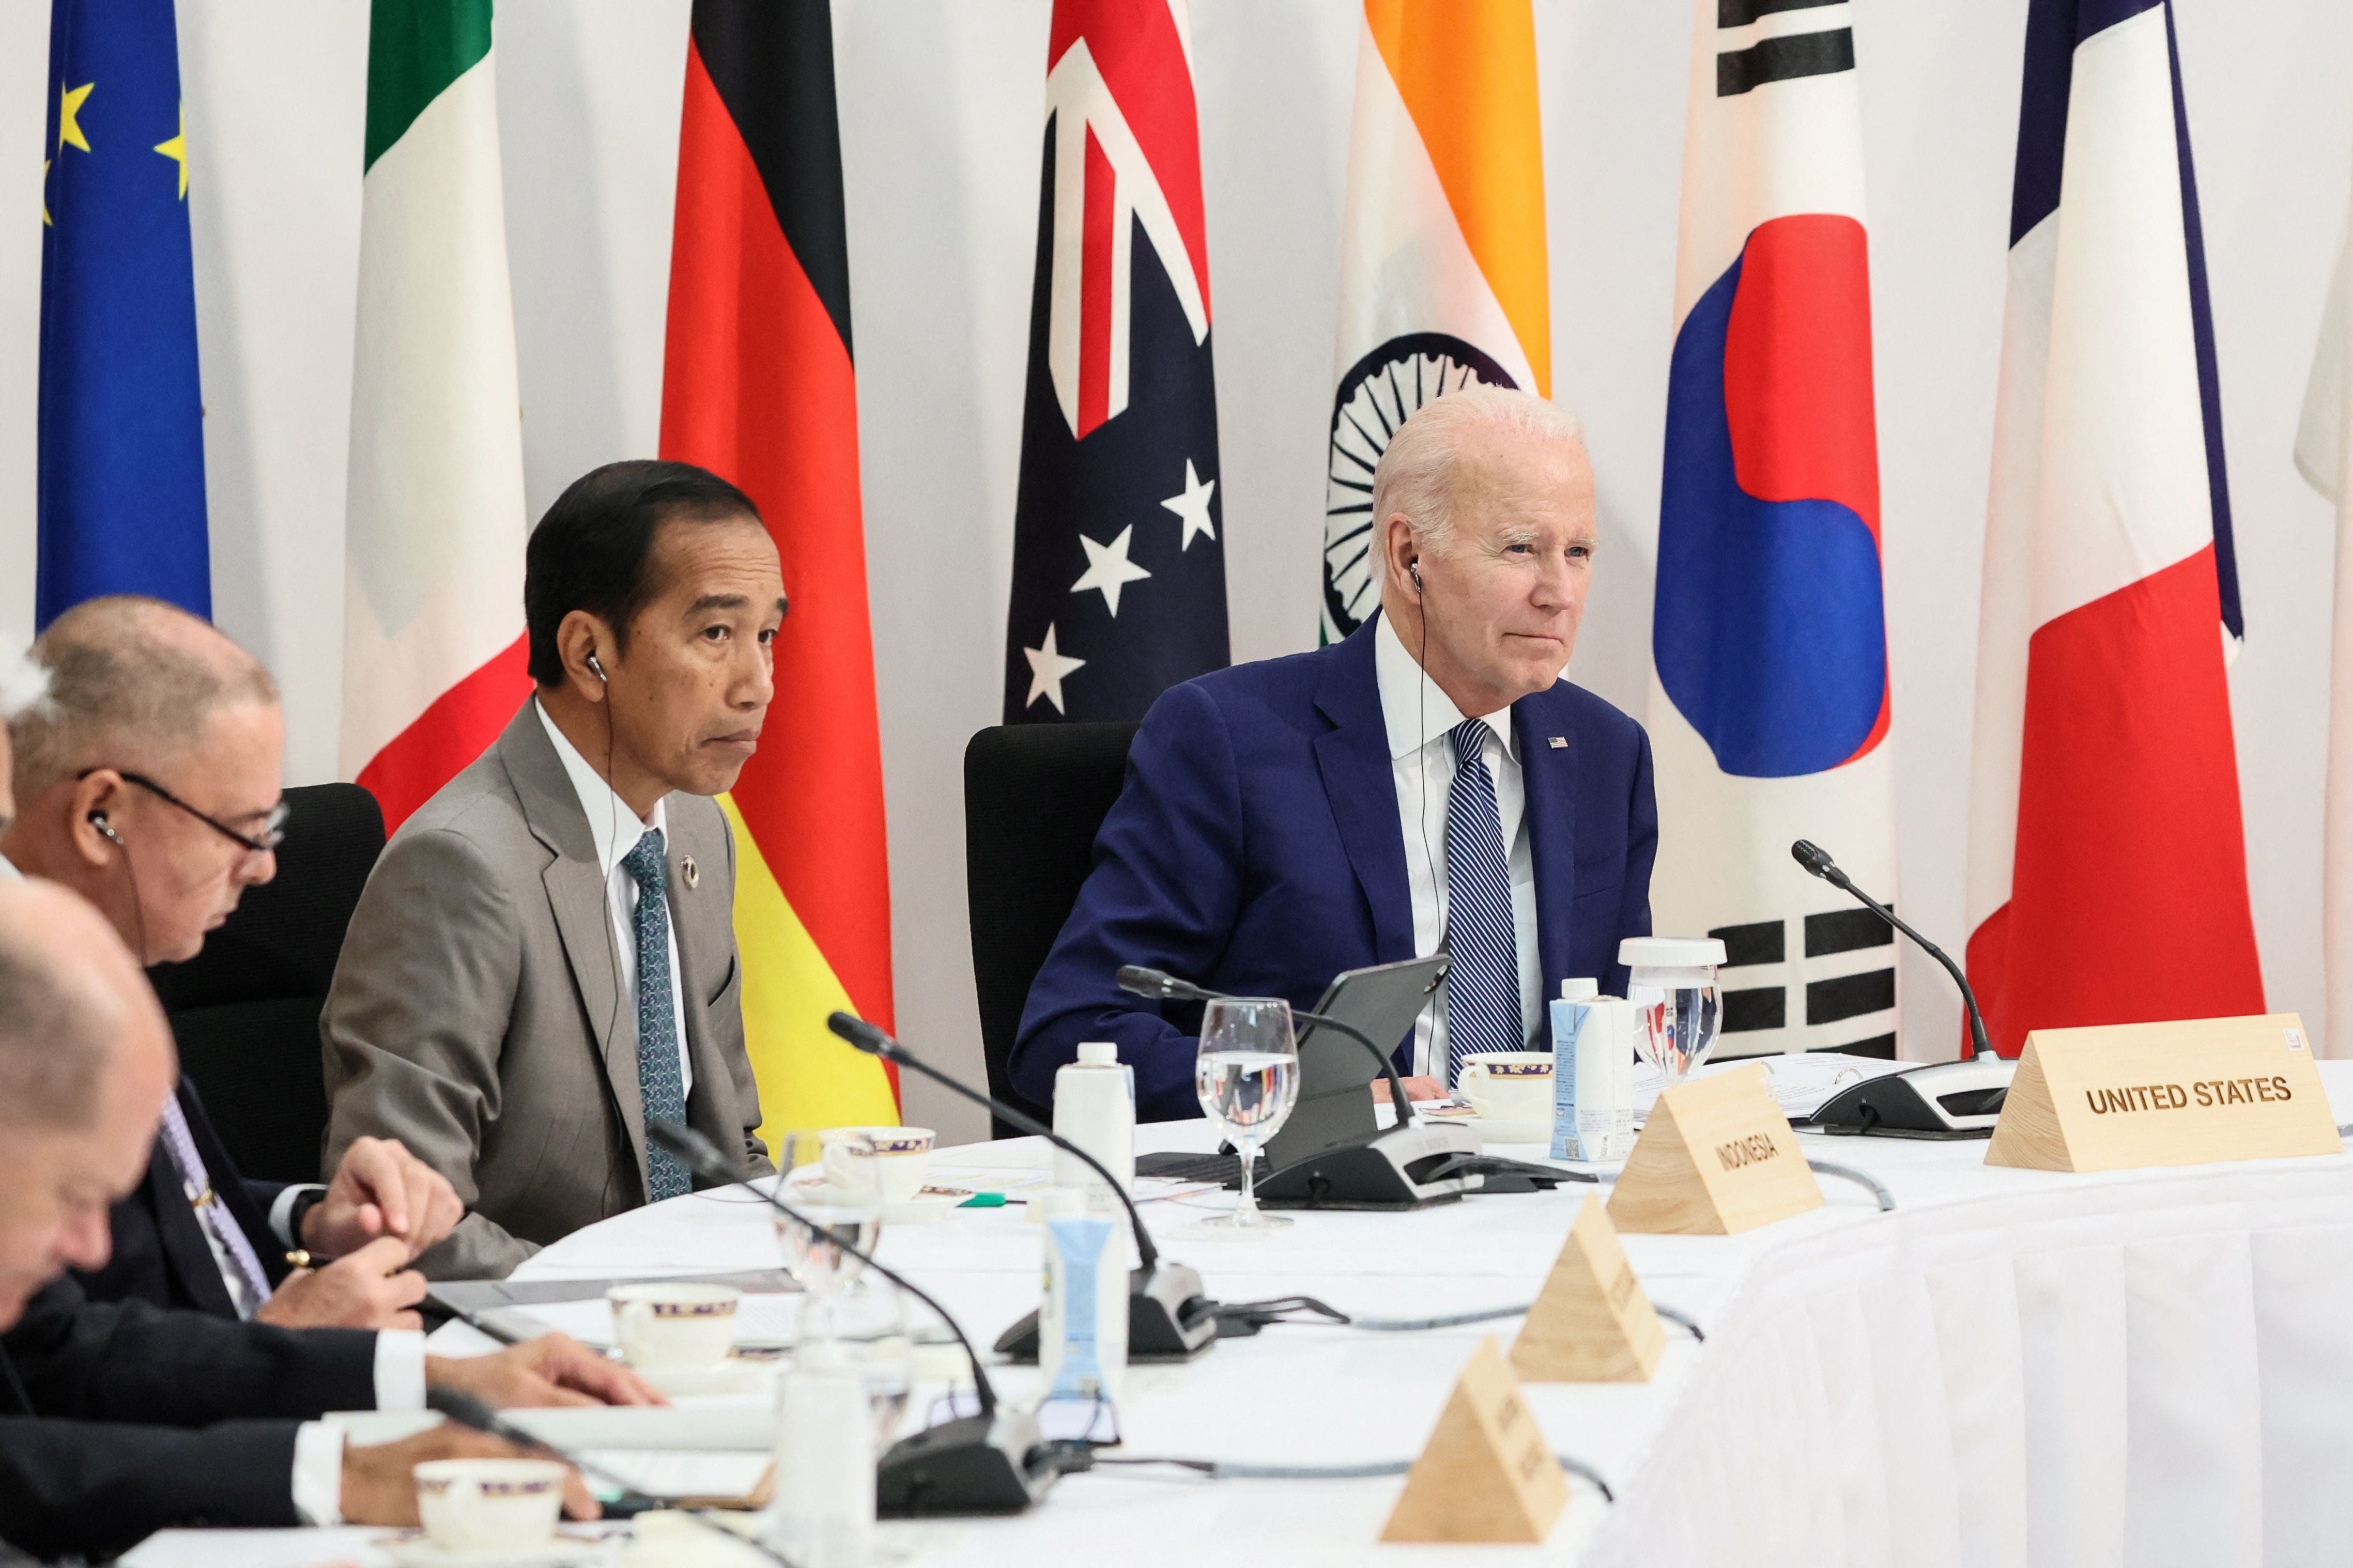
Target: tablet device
[[1335, 1073]]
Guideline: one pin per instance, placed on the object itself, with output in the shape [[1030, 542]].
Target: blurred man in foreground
[[544, 959], [120, 1419], [1430, 783], [146, 765]]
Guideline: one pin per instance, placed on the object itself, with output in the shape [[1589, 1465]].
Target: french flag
[[2107, 866], [1770, 710]]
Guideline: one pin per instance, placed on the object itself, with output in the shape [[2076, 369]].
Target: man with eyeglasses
[[146, 779]]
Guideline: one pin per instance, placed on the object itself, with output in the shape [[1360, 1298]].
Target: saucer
[[924, 1208], [1534, 1131], [733, 1375], [564, 1552]]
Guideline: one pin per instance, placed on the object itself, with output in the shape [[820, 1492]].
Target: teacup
[[886, 1162], [489, 1505], [662, 1325], [1507, 1086]]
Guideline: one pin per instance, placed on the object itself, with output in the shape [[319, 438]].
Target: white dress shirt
[[616, 830], [318, 1478], [1420, 717]]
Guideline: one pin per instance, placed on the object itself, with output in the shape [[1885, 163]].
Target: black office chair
[[246, 1009], [1034, 795]]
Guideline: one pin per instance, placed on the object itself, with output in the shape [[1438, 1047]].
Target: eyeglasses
[[273, 826]]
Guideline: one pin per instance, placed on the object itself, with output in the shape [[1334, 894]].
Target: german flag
[[758, 386]]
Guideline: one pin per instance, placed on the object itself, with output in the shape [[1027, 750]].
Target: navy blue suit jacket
[[160, 1256], [1257, 848]]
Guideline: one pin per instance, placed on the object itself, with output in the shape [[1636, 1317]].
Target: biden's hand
[[1415, 1088]]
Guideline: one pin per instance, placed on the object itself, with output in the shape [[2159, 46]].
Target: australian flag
[[121, 481], [1119, 570]]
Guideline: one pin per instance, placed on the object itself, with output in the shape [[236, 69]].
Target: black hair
[[591, 550]]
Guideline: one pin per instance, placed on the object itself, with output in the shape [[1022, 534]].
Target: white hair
[[23, 683], [1417, 472]]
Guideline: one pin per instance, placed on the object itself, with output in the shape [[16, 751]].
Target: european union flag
[[122, 449]]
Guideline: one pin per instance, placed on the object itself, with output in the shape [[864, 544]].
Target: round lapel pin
[[691, 872]]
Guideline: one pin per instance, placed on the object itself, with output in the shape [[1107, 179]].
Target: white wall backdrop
[[941, 105]]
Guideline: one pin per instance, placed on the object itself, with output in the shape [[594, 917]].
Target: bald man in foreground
[[135, 1418]]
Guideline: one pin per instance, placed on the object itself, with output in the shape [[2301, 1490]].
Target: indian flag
[[433, 643], [1443, 277]]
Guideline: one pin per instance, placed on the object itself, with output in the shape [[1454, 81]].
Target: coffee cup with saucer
[[489, 1513]]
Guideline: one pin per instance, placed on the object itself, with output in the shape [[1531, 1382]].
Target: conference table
[[2009, 1367]]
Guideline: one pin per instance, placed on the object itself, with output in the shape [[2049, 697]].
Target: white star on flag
[[1108, 568], [1047, 667], [1193, 506]]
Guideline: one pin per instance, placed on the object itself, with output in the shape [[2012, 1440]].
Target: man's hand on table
[[380, 1189], [380, 1483], [372, 1288], [555, 1369], [1415, 1088]]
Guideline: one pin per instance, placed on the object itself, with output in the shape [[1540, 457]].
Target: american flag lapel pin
[[1558, 743], [690, 871]]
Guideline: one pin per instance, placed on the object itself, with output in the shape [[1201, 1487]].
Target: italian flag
[[433, 646]]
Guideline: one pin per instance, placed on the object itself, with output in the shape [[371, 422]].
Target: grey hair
[[21, 684], [131, 681], [1416, 475]]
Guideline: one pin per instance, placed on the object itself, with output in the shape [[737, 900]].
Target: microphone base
[[1168, 1319], [975, 1465], [1942, 1099], [1398, 1170]]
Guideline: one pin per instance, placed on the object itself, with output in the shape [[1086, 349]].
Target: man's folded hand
[[553, 1370], [380, 1189]]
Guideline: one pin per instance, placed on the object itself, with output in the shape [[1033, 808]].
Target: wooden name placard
[[1487, 1473], [1592, 1321], [2164, 1094], [1715, 1158]]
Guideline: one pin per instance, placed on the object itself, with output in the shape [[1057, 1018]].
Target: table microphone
[[1939, 1100], [994, 1462], [1169, 1318], [1408, 1165]]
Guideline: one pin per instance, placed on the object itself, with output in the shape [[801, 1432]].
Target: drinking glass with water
[[1247, 1076]]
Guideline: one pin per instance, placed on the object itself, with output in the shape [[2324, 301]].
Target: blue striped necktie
[[1483, 980], [661, 1084]]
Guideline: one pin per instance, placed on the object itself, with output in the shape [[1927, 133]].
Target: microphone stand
[[1936, 1100], [1411, 1165], [1169, 1318], [992, 1463]]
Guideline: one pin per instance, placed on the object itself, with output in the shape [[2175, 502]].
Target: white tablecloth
[[2014, 1368]]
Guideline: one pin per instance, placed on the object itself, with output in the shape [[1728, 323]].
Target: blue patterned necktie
[[1482, 979], [661, 1087]]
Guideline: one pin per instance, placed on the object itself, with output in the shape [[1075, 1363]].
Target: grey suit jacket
[[476, 1013]]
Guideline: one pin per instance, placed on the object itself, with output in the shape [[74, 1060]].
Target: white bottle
[[1082, 1319], [824, 1460], [1605, 1079], [1094, 1107]]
